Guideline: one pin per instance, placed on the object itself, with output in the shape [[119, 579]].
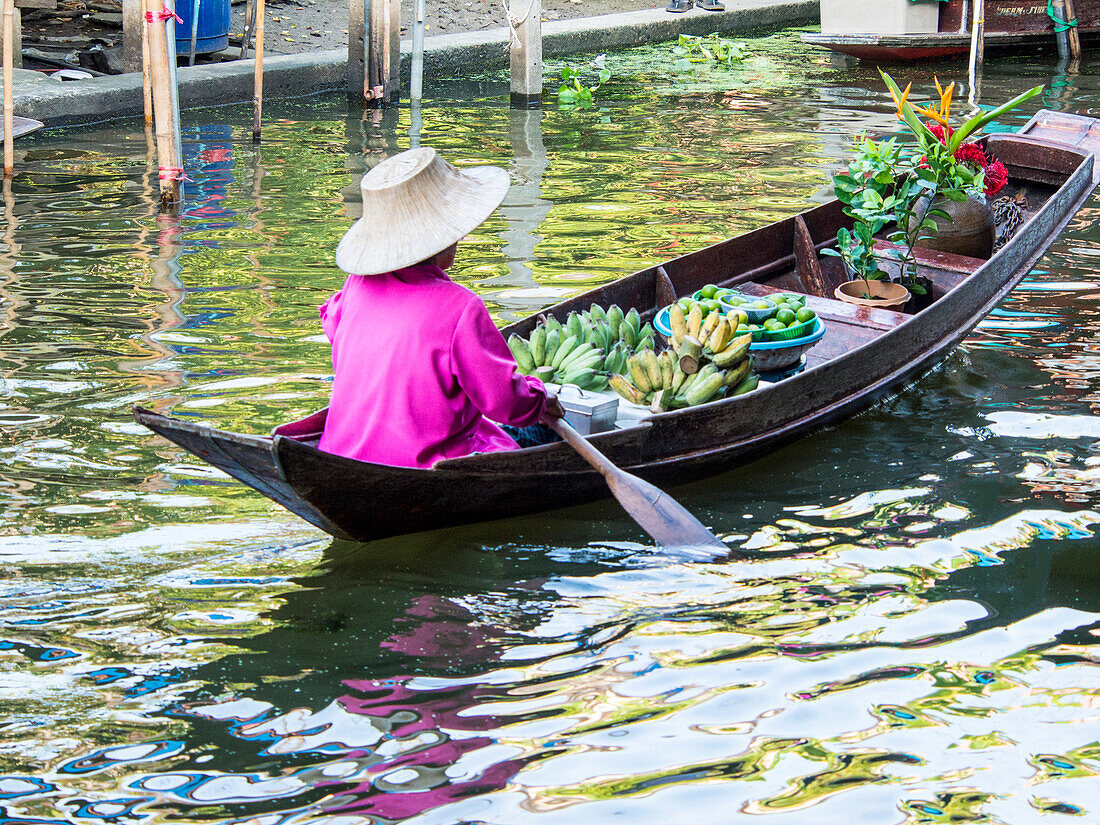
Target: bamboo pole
[[194, 32], [258, 74], [416, 74], [9, 86], [146, 82], [977, 52], [164, 112], [1074, 33]]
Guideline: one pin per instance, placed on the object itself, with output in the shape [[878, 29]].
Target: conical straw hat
[[415, 204]]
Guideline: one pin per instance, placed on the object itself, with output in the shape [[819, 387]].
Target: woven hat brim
[[376, 244]]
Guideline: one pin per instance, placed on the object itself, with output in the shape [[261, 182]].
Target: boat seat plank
[[1054, 127], [832, 311]]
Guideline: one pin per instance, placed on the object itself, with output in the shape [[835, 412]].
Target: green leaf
[[605, 75], [955, 195], [981, 121]]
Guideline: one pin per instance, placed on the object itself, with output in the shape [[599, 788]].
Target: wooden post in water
[[377, 42], [393, 51], [357, 66], [258, 72], [1074, 34], [525, 48], [9, 90], [165, 115], [133, 35]]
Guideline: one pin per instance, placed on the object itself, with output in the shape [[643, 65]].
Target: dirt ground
[[88, 33]]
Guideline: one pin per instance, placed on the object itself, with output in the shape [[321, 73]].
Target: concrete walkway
[[87, 101]]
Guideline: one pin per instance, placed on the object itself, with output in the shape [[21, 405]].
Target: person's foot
[[710, 5], [678, 5]]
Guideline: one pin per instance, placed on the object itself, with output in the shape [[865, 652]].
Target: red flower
[[973, 154], [938, 131], [996, 177]]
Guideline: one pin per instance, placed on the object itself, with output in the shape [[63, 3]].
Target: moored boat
[[865, 354], [1010, 26]]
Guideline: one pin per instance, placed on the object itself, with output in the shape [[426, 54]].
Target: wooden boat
[[24, 126], [865, 354], [1010, 26]]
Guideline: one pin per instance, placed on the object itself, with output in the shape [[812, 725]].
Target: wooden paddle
[[656, 512]]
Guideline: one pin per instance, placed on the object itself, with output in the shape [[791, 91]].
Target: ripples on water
[[912, 636]]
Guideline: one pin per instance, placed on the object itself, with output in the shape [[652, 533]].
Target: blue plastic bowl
[[769, 356]]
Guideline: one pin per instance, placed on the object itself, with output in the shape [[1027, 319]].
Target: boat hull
[[867, 354], [1011, 26]]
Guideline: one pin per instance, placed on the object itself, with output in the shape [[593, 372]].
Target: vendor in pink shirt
[[421, 371]]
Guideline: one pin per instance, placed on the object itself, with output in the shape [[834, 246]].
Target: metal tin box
[[587, 411]]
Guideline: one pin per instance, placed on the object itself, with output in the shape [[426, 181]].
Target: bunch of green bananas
[[672, 381], [605, 328], [584, 350]]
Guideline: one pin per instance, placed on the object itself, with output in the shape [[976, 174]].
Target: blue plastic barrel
[[213, 34]]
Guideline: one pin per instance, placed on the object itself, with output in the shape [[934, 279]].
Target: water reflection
[[910, 632]]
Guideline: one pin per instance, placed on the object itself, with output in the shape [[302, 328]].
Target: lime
[[685, 304], [805, 314], [711, 305], [785, 317], [773, 324], [733, 299], [742, 317], [708, 291], [763, 305]]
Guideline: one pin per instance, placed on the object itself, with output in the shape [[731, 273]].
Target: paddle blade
[[659, 514]]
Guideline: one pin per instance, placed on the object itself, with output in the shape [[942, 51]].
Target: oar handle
[[579, 443]]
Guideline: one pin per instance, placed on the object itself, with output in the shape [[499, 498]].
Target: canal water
[[913, 637]]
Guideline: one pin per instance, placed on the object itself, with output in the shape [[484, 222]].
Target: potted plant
[[964, 177], [916, 193]]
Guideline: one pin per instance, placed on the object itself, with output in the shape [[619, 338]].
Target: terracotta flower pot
[[968, 231], [884, 294]]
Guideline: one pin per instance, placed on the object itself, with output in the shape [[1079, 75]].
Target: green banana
[[702, 391], [635, 320], [614, 319], [748, 385], [538, 346], [566, 347], [553, 341], [638, 373], [627, 390], [521, 351]]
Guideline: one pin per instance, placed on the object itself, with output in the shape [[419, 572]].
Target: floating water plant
[[711, 48], [574, 92]]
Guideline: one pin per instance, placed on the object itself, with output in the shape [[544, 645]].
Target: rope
[[1059, 25], [514, 23], [162, 15]]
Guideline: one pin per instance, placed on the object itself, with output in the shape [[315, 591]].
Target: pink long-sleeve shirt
[[420, 369]]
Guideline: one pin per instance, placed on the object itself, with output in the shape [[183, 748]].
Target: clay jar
[[968, 231]]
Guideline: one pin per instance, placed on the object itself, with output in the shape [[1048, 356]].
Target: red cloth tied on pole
[[162, 15]]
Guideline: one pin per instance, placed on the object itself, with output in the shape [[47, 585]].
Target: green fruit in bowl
[[733, 299], [709, 291], [805, 314], [772, 324], [785, 317], [763, 305]]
